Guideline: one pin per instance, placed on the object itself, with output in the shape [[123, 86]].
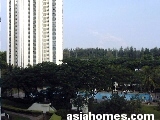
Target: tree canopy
[[86, 69]]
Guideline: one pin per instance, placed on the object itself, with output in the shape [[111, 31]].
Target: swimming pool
[[141, 96]]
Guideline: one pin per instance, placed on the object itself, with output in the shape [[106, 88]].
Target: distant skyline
[[105, 24]]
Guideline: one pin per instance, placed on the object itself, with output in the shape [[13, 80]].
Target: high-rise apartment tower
[[35, 31]]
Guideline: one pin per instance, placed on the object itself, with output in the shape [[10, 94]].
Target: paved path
[[27, 116]]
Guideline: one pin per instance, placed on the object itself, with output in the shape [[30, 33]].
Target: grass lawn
[[16, 117], [151, 110], [55, 117]]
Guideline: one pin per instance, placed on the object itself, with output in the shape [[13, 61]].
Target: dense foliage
[[117, 105], [85, 69], [128, 52], [158, 107]]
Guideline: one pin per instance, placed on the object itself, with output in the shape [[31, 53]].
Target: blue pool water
[[141, 96]]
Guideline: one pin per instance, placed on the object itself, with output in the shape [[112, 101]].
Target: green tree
[[148, 81], [117, 105]]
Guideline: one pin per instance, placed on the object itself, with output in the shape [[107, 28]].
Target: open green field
[[151, 110]]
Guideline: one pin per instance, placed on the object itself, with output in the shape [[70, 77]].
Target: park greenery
[[84, 70], [117, 105]]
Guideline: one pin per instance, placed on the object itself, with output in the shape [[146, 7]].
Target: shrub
[[50, 113], [22, 111], [63, 113], [158, 107], [17, 102], [117, 105]]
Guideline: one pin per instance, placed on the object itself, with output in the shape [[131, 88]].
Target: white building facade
[[35, 31]]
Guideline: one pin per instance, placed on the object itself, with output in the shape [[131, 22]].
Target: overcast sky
[[106, 23]]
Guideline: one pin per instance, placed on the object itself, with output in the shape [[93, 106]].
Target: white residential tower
[[35, 31]]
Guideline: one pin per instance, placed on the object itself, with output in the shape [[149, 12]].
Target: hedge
[[22, 111]]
